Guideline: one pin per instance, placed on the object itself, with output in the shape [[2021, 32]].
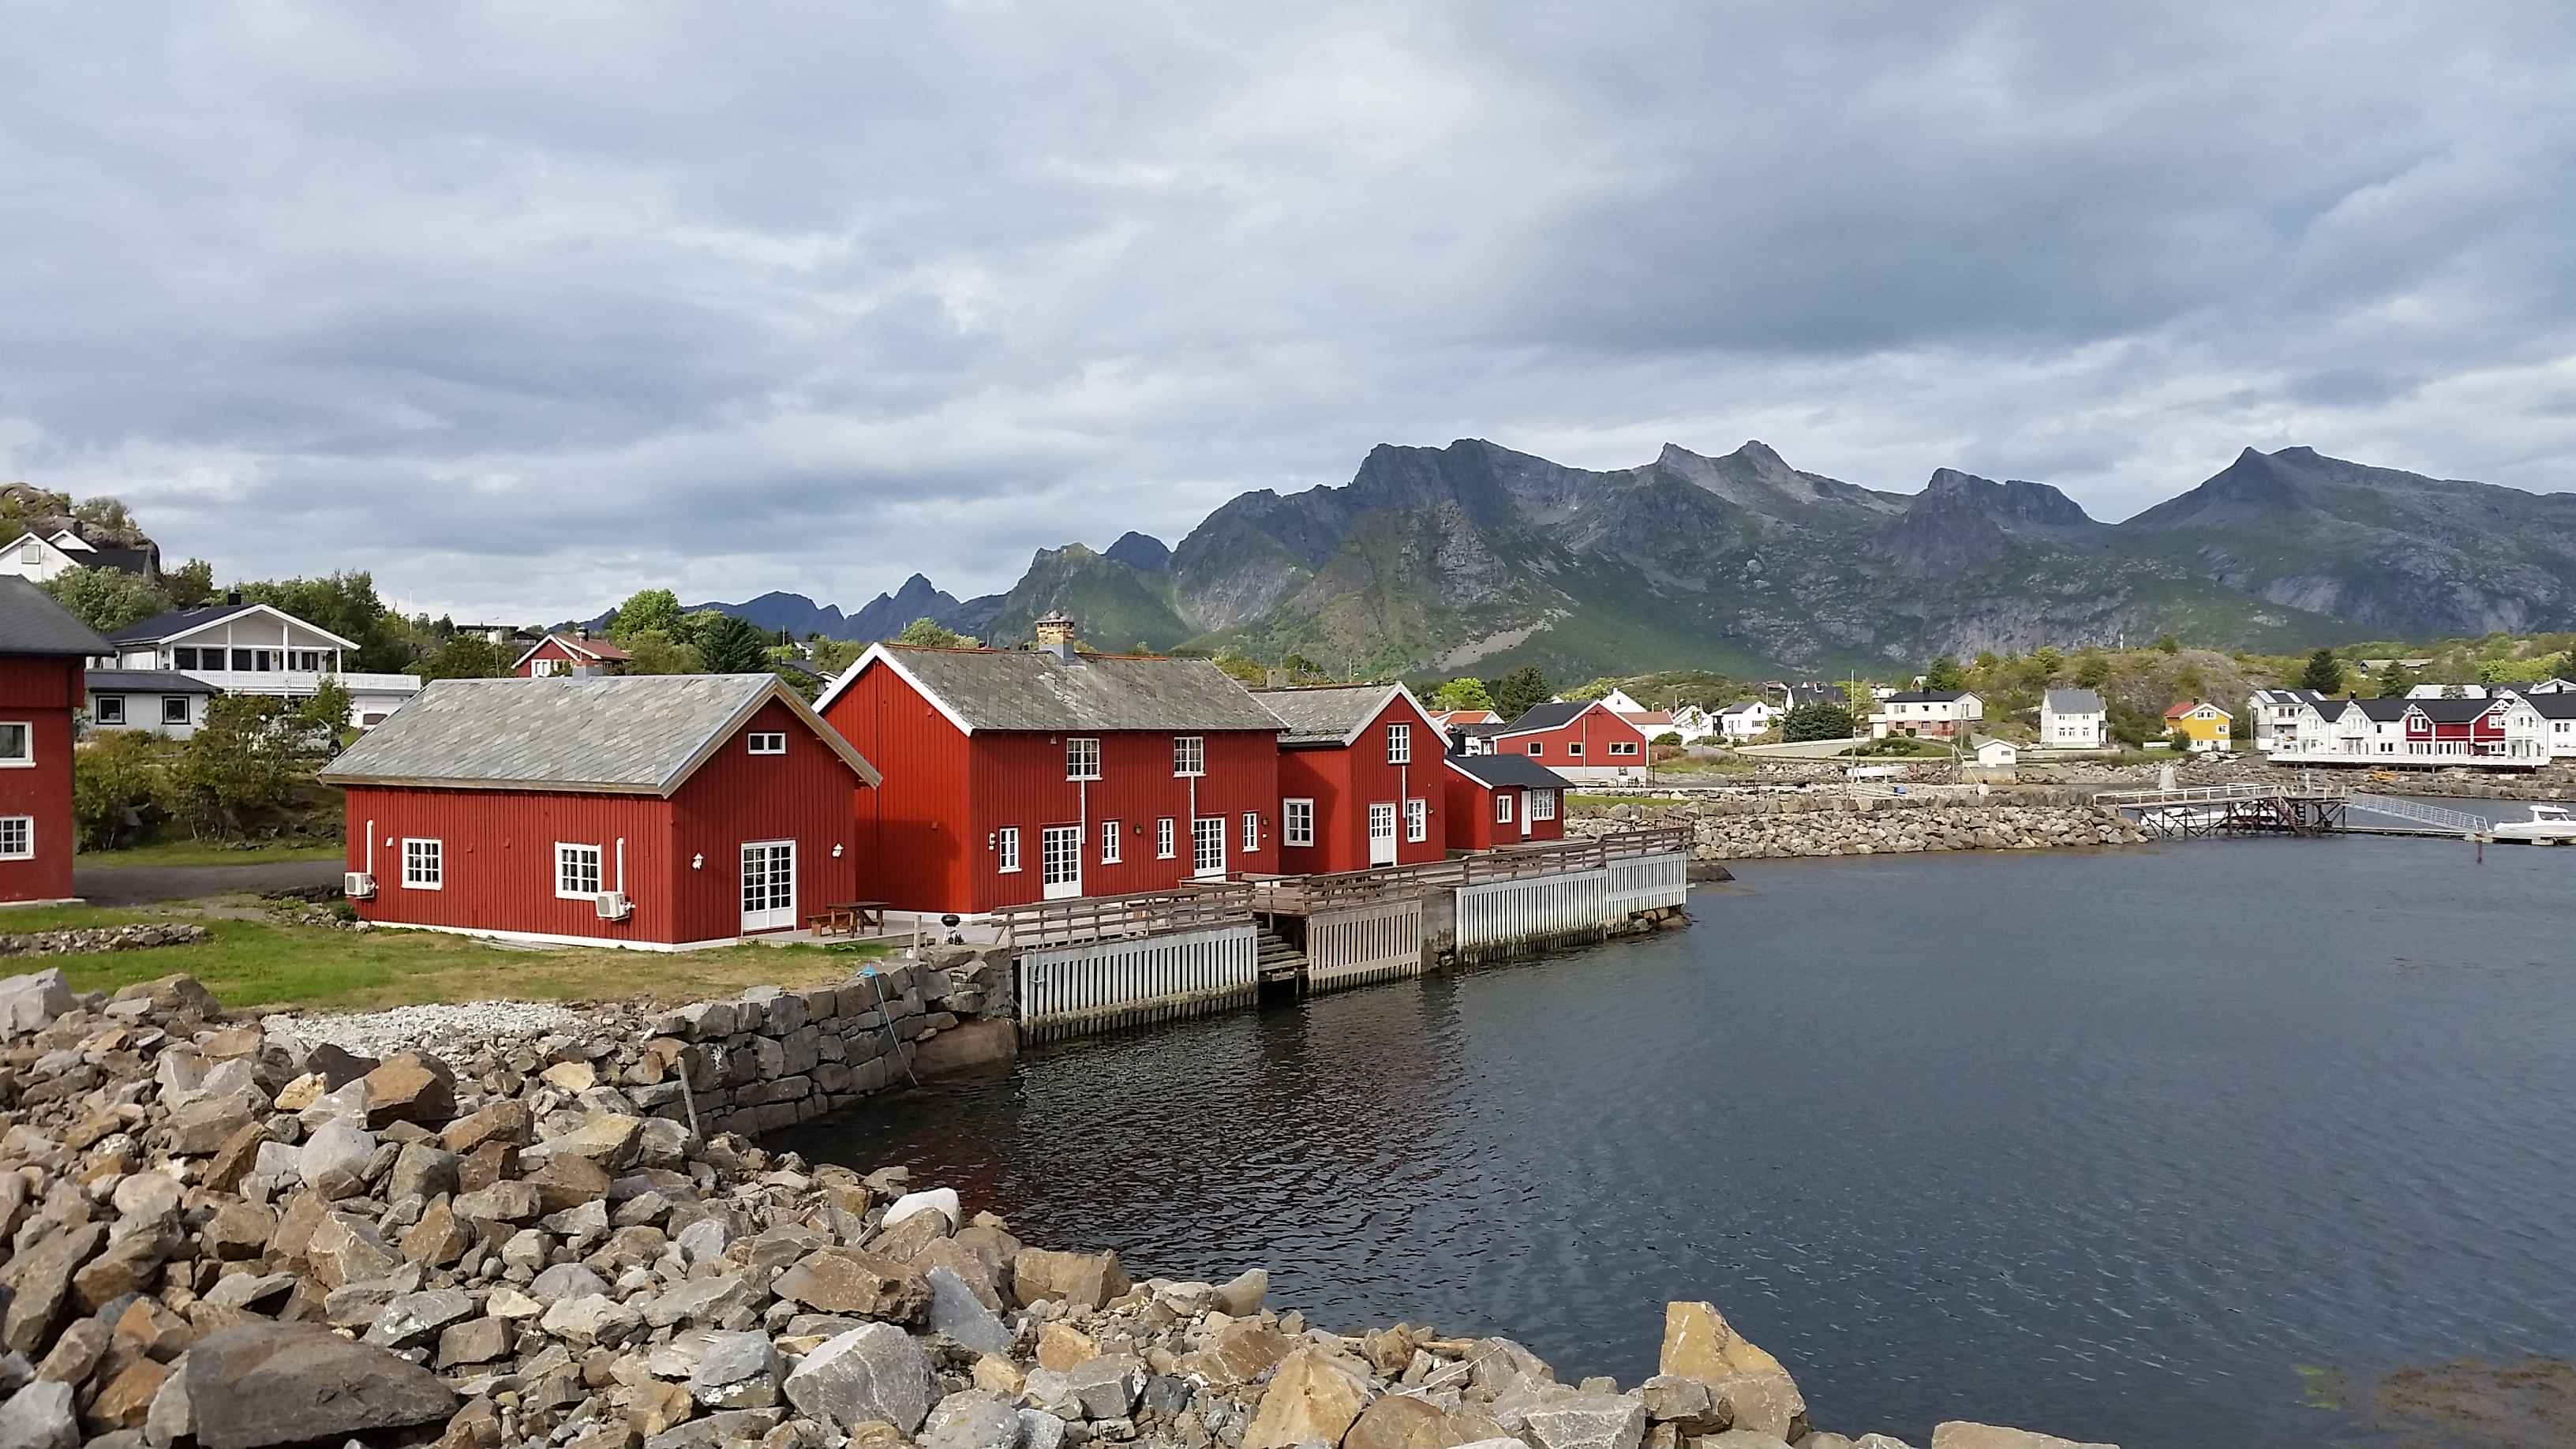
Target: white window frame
[[187, 709], [27, 733], [22, 824], [105, 700], [1110, 853], [1166, 838], [1189, 756], [1399, 744], [1251, 832], [31, 552], [1082, 757], [576, 854], [435, 877], [1542, 805], [1417, 821], [1623, 747], [1502, 807], [1198, 837], [1060, 866], [1297, 823], [1006, 850], [766, 742], [1538, 747], [1573, 749]]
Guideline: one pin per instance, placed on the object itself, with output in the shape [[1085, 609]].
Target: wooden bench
[[849, 918]]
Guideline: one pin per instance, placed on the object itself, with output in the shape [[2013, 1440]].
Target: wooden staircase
[[1281, 963]]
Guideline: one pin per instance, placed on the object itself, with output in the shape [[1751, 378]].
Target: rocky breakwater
[[1782, 826], [220, 1236]]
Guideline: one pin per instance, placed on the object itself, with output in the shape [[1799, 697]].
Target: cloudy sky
[[523, 306]]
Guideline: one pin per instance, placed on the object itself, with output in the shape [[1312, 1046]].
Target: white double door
[[769, 885], [1060, 862], [1382, 834]]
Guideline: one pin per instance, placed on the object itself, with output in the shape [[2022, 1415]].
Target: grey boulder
[[873, 1372], [736, 1371], [975, 1419], [286, 1383]]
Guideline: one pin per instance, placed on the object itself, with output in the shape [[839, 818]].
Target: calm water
[[2155, 1146]]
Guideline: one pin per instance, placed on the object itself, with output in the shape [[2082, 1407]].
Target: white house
[[2283, 716], [44, 557], [2073, 719], [2557, 711], [1995, 754], [1693, 724], [1937, 714], [2447, 691], [156, 701], [2505, 732], [1746, 719], [256, 649], [1619, 701]]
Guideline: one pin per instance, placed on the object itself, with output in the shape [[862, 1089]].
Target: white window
[[576, 871], [1399, 744], [17, 837], [1109, 842], [1251, 832], [424, 865], [174, 709], [1060, 857], [1537, 747], [1189, 754], [1542, 804], [1081, 758], [1163, 847], [1207, 844], [768, 742], [1006, 850], [1574, 747], [1623, 747], [1503, 807], [111, 709], [1417, 820], [31, 552], [1296, 822], [17, 744]]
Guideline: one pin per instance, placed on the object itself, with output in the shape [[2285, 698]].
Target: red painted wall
[[1343, 782], [914, 830], [1595, 729], [806, 795], [1471, 817], [41, 692], [553, 648]]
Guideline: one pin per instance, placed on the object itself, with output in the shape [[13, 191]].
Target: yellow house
[[2206, 724]]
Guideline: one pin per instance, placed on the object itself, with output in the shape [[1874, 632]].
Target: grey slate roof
[[2384, 710], [2452, 711], [177, 621], [1325, 715], [630, 734], [2074, 701], [1547, 715], [1509, 772], [147, 681], [1927, 696], [32, 623], [2557, 704], [1741, 707], [1026, 689]]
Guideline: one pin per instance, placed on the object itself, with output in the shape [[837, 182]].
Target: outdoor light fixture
[[697, 861], [836, 852]]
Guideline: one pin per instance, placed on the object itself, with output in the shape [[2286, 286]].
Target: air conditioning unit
[[358, 885], [612, 905]]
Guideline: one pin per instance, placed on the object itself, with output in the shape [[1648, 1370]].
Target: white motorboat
[[2549, 823]]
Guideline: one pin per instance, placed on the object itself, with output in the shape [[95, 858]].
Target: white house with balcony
[[1937, 714], [1746, 719], [256, 649]]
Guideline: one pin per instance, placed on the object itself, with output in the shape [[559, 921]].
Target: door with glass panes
[[1060, 862], [768, 885]]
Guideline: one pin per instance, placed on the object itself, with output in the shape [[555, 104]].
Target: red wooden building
[[1359, 778], [576, 652], [1042, 774], [43, 652], [655, 811], [1501, 799], [1579, 739]]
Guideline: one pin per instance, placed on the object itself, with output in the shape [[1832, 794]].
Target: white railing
[[1641, 883], [2193, 795], [1070, 990], [1506, 915], [301, 681], [2431, 817], [1359, 944]]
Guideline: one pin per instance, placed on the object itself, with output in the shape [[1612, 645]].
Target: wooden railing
[[1306, 894], [1103, 918]]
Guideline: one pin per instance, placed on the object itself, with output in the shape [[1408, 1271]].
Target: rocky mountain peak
[[1140, 551], [2013, 504]]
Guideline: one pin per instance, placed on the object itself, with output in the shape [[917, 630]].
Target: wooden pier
[[2310, 808]]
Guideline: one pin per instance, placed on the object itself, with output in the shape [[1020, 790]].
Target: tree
[[1944, 673], [1464, 692], [190, 584], [236, 775], [327, 710], [2093, 670], [931, 634], [1243, 667], [654, 652], [1517, 691], [463, 656], [2324, 673], [2168, 644], [106, 599], [346, 604], [1299, 667], [2179, 739], [116, 789], [654, 611], [1822, 720], [727, 645], [831, 656], [1593, 688]]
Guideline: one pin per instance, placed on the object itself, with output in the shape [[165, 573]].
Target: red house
[[1359, 778], [567, 654], [1017, 775], [43, 652], [1579, 739], [661, 812], [1498, 800]]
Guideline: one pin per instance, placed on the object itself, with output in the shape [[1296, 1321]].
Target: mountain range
[[1475, 557]]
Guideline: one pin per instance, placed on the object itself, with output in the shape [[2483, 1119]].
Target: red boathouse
[[662, 812], [1359, 778], [1500, 800], [43, 652], [573, 653], [1579, 739], [1019, 775]]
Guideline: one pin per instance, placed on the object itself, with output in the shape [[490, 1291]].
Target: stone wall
[[1774, 826], [137, 937]]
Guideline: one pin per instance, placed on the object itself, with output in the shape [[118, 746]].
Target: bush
[[1818, 721], [1668, 737], [235, 778], [118, 790]]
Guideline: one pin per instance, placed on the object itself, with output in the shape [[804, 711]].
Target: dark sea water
[[2184, 1146]]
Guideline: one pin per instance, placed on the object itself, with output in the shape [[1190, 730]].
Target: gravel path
[[440, 1028]]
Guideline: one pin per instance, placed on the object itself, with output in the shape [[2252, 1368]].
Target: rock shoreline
[[222, 1235], [1782, 827]]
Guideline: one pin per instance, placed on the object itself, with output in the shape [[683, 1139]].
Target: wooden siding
[[1594, 729], [1471, 816], [806, 795], [1344, 781], [40, 692], [914, 831]]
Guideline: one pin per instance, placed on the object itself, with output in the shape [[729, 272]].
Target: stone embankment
[[1775, 826], [141, 936], [225, 1236]]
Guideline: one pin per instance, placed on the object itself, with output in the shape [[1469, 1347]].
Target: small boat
[[2548, 823]]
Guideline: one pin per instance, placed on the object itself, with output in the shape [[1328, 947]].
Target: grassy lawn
[[200, 852], [260, 964]]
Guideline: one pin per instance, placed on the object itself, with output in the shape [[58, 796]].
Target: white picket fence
[[1643, 882], [1359, 944], [1513, 915], [1073, 990]]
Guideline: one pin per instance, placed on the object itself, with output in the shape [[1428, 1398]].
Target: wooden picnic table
[[847, 918]]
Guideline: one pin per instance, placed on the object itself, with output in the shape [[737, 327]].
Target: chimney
[[1055, 636], [581, 631], [232, 596]]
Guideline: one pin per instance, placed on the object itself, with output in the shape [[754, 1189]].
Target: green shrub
[[118, 790]]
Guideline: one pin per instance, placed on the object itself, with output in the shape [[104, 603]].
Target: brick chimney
[[1055, 635]]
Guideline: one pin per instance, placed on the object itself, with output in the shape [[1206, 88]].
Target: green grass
[[207, 852]]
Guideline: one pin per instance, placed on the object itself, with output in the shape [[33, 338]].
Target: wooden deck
[[1305, 895]]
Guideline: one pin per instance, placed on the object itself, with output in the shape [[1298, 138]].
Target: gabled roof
[[32, 623], [1030, 689], [597, 650], [2454, 711], [2553, 705], [1744, 706], [147, 681], [1929, 696], [2193, 706], [180, 622], [1553, 715], [1464, 717], [2290, 696], [2074, 701], [2386, 709], [1644, 717], [1334, 714], [624, 735], [1507, 772]]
